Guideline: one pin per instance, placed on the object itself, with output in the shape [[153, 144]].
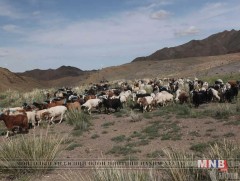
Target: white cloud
[[192, 30], [161, 14], [125, 28]]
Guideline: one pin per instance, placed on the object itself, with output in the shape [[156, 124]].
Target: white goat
[[215, 94], [163, 97], [40, 114], [56, 112], [91, 103]]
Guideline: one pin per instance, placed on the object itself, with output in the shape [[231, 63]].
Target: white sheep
[[31, 115], [163, 97], [91, 103], [145, 102], [177, 94], [215, 94], [56, 112], [40, 114], [141, 91], [125, 93]]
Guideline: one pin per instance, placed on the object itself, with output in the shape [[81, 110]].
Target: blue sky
[[92, 34]]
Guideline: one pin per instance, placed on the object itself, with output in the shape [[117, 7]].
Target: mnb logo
[[220, 164]]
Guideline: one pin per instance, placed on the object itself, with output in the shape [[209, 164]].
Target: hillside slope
[[218, 44], [185, 67], [13, 81]]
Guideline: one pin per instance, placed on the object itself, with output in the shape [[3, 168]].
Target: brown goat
[[73, 106], [183, 97], [87, 97], [15, 121], [56, 103]]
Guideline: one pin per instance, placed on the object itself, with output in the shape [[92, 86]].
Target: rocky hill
[[218, 44], [10, 80]]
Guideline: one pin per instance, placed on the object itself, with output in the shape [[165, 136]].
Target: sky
[[93, 34]]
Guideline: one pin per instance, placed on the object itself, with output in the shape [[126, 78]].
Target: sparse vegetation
[[123, 150], [202, 147], [18, 154], [223, 111], [79, 120], [135, 117], [119, 139], [156, 154], [107, 124], [152, 130]]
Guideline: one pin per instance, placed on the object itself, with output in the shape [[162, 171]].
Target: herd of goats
[[143, 94]]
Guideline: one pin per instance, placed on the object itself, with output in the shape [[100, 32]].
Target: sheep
[[215, 94], [14, 121], [177, 94], [42, 114], [125, 93], [56, 112], [92, 103], [141, 91], [31, 115], [162, 98], [145, 103]]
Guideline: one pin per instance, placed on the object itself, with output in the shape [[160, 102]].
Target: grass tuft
[[79, 120], [42, 148]]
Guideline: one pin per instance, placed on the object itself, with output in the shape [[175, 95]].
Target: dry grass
[[18, 155]]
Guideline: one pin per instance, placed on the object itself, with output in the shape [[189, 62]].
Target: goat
[[92, 103], [14, 121], [55, 112]]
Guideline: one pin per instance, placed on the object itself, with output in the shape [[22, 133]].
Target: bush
[[42, 148], [178, 166], [79, 120]]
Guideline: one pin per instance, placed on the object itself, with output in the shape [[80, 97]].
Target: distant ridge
[[52, 74], [218, 44], [10, 80]]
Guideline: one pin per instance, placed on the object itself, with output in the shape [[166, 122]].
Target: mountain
[[53, 74], [218, 44], [10, 80], [62, 76]]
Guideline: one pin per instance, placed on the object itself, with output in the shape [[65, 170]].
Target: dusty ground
[[175, 130]]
